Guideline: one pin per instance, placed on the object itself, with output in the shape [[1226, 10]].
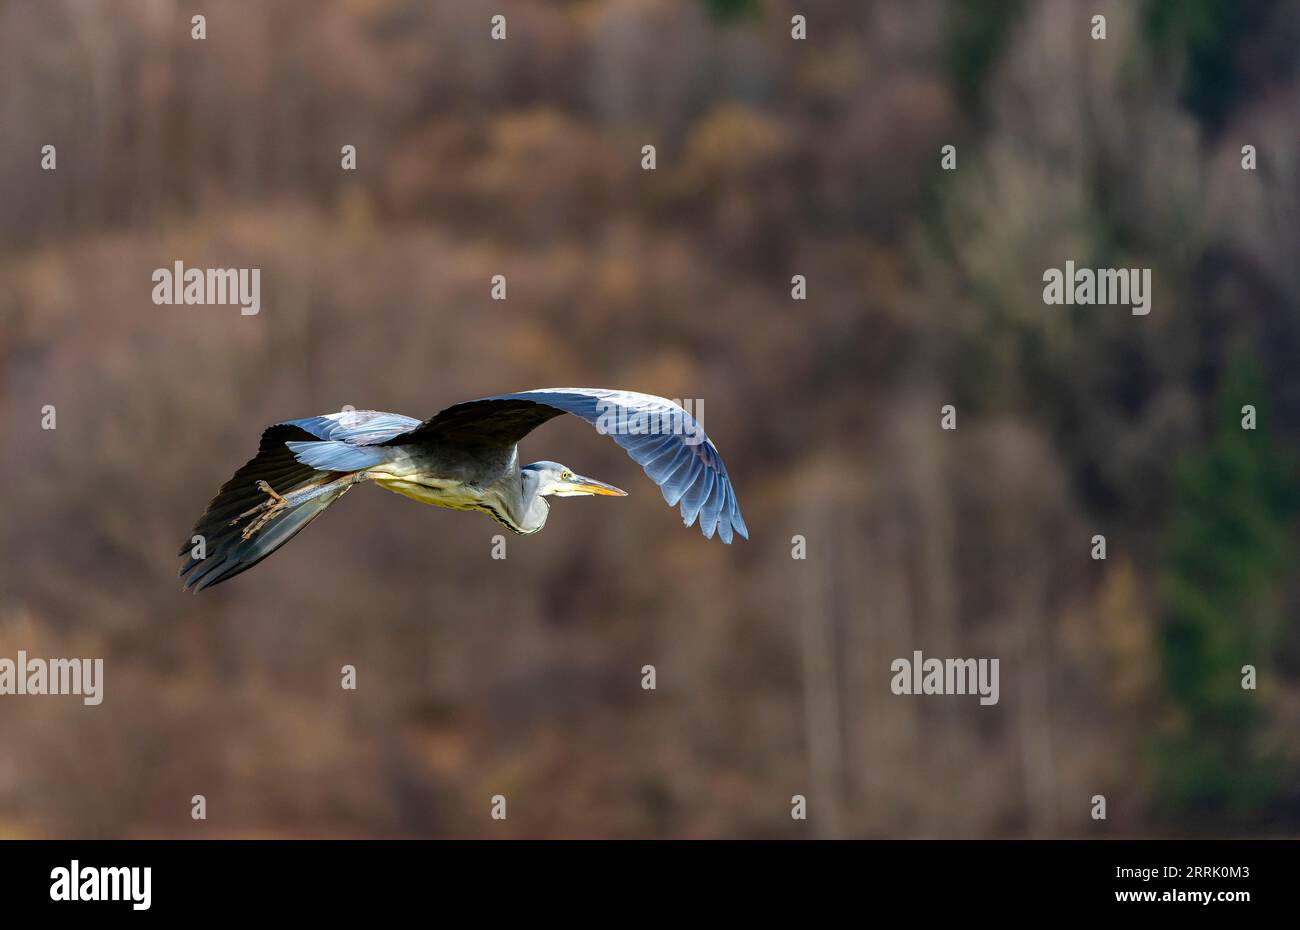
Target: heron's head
[[554, 479]]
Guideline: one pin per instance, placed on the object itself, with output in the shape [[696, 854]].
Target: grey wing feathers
[[356, 427], [348, 441], [660, 436]]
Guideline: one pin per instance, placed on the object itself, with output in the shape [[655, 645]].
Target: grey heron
[[464, 458]]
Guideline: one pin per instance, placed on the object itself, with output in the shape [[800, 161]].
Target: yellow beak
[[592, 486]]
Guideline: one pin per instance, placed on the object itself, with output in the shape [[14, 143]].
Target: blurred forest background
[[775, 157]]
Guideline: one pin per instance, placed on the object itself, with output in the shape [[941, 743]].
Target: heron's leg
[[271, 508], [267, 511], [275, 498]]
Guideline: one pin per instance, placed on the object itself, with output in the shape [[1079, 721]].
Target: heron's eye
[[567, 476]]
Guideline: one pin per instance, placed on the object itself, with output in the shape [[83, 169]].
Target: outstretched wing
[[225, 552], [292, 455], [658, 434]]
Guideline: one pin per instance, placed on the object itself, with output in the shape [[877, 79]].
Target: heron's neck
[[525, 509]]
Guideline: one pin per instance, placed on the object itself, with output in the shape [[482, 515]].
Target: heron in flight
[[464, 458]]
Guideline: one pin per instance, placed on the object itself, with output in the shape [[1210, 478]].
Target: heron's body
[[494, 488], [465, 458], [440, 492]]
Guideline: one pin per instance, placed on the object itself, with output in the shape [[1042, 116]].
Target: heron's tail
[[217, 549]]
